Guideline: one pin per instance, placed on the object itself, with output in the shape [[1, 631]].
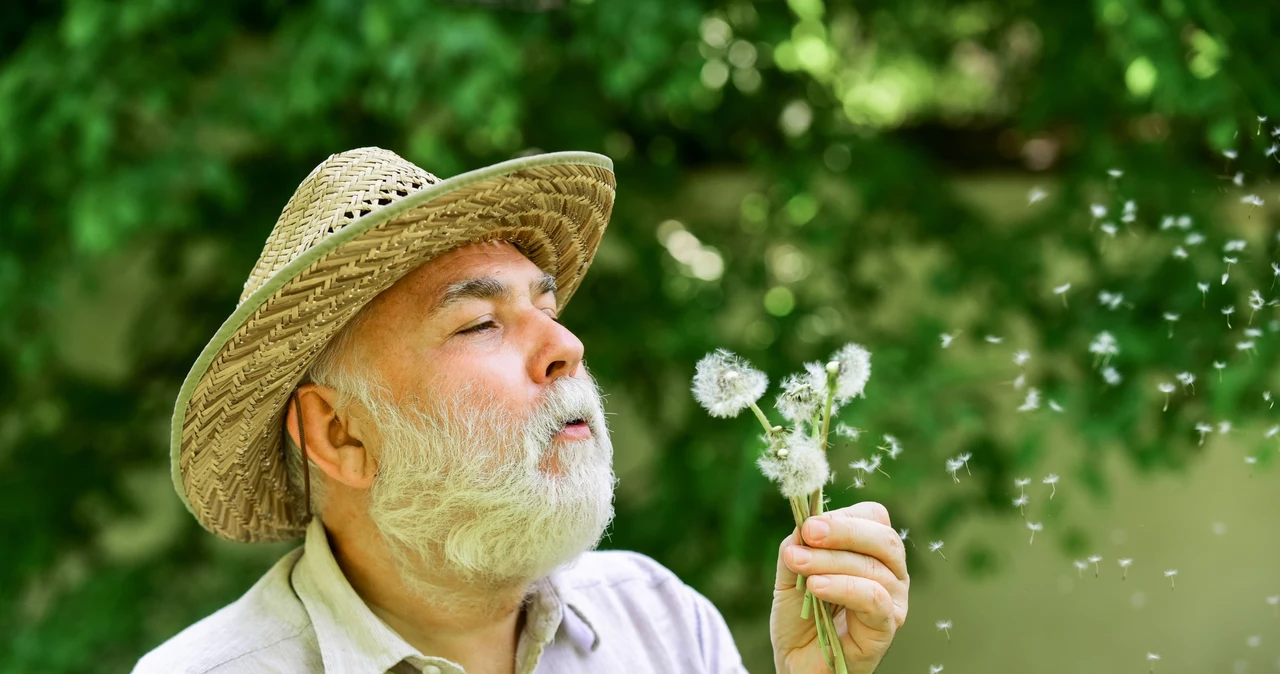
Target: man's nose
[[559, 354]]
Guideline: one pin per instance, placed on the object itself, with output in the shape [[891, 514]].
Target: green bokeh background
[[791, 176]]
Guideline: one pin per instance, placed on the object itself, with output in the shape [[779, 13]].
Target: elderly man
[[400, 338]]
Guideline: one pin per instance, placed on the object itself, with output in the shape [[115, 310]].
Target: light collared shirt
[[608, 611]]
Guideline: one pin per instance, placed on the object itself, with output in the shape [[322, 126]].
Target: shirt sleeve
[[719, 653]]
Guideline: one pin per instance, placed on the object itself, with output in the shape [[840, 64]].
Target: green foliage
[[819, 154]]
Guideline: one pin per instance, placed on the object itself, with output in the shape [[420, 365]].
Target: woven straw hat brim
[[226, 440]]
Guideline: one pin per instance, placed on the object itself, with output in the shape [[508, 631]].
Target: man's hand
[[864, 564]]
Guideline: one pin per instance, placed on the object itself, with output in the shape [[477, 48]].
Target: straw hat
[[357, 224]]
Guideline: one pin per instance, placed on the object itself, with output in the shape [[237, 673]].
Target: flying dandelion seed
[[1032, 401], [935, 669], [1250, 461], [1053, 405], [1153, 659], [1062, 291], [858, 483], [953, 467], [1110, 300], [846, 431], [1052, 480], [1227, 311], [947, 338], [992, 339], [1224, 427], [1230, 154], [1108, 229], [1130, 212], [1034, 527], [725, 384], [1170, 573], [945, 626], [1021, 357], [1036, 195], [1271, 151], [1187, 380], [1094, 559], [1219, 366], [1021, 483], [1103, 347], [1180, 253], [904, 534], [1255, 303], [1115, 173], [1111, 376], [1246, 345], [1272, 432], [1098, 211], [1021, 503], [1275, 274], [1252, 333], [1080, 565], [1166, 388], [1266, 398], [1226, 276], [1020, 381], [892, 446], [1203, 429], [1230, 261], [1234, 246], [936, 546], [1204, 292], [1252, 200], [1124, 563], [1274, 602], [963, 458], [1194, 239], [1253, 641], [1238, 179]]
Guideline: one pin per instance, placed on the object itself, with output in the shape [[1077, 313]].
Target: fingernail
[[800, 556], [818, 582], [818, 530]]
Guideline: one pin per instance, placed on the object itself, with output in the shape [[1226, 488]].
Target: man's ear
[[334, 441]]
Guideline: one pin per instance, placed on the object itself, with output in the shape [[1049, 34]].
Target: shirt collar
[[351, 638]]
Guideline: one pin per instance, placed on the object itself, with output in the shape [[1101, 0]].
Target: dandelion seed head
[[726, 384], [801, 397], [802, 471], [854, 369]]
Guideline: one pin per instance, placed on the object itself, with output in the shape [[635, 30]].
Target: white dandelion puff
[[1020, 381], [1204, 292], [1238, 179], [1272, 432], [1171, 319], [1115, 173], [1021, 482], [853, 364], [801, 397], [1224, 427], [953, 467], [1266, 398], [1234, 246], [726, 384], [801, 470], [1256, 302], [1194, 239], [1110, 300], [1230, 154], [1062, 291]]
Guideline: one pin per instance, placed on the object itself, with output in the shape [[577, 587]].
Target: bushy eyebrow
[[489, 288]]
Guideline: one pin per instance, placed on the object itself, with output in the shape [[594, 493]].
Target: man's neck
[[475, 626]]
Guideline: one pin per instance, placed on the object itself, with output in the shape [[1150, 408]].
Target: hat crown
[[339, 191]]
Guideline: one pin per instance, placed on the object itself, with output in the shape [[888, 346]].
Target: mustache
[[566, 400]]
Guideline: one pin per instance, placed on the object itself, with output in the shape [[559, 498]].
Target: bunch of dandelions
[[795, 458]]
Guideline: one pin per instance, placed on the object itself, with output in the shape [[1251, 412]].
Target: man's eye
[[479, 327]]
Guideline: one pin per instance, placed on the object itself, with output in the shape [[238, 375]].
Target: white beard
[[460, 497]]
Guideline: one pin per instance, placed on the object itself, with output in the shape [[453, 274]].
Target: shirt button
[[430, 669]]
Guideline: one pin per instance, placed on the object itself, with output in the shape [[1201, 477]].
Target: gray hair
[[337, 368]]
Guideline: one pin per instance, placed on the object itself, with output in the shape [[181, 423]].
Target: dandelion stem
[[764, 421], [833, 640]]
